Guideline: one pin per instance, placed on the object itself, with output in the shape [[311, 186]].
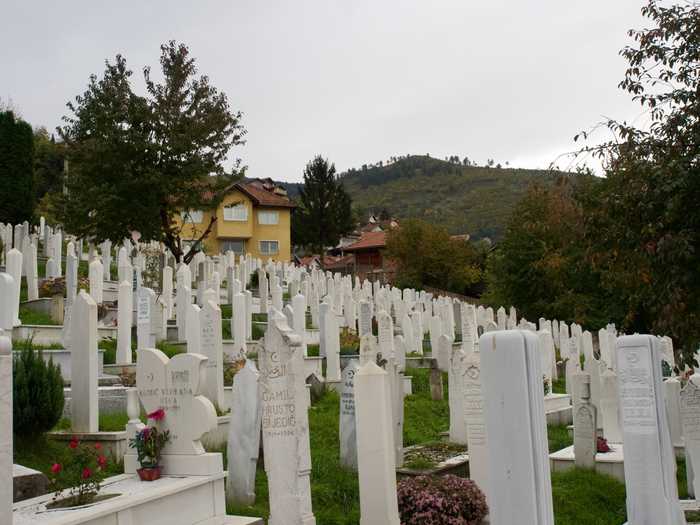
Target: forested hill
[[465, 199]]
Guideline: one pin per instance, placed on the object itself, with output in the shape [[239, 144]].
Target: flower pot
[[149, 473]]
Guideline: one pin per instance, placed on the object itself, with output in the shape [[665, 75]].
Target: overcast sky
[[357, 80]]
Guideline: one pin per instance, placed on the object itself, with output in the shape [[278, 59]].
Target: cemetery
[[339, 407], [186, 340]]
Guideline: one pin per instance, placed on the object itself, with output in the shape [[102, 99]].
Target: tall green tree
[[16, 169], [325, 209], [426, 255], [136, 162]]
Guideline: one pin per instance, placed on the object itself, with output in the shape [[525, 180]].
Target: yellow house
[[254, 217]]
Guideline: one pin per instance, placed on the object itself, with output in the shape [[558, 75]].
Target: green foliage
[[49, 157], [30, 317], [426, 256], [16, 169], [37, 393], [324, 212], [623, 248], [81, 474], [462, 198], [162, 147], [558, 437]]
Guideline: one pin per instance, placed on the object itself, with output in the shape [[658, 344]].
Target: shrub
[[37, 393], [445, 500], [82, 473]]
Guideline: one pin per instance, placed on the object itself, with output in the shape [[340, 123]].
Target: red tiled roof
[[332, 263], [367, 241], [263, 197]]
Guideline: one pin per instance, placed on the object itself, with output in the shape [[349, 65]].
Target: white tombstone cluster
[[500, 370]]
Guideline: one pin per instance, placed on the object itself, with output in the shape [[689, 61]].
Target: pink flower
[[74, 443], [102, 461], [157, 415], [146, 432], [98, 446], [86, 473], [56, 468]]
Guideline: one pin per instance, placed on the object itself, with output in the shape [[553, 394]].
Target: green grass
[[424, 419], [559, 385], [28, 316], [558, 437], [258, 332], [313, 350], [583, 496], [259, 318], [111, 422]]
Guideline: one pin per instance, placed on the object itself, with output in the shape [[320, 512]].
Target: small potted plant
[[149, 443], [77, 480]]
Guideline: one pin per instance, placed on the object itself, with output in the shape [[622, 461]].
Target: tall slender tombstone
[[32, 273], [473, 402], [609, 413], [277, 297], [285, 424], [585, 423], [124, 318], [6, 458], [364, 322], [385, 334], [7, 305], [457, 368], [143, 318], [299, 307], [467, 316], [244, 436], [440, 353], [672, 399], [58, 251], [168, 292], [650, 465], [347, 428], [194, 334], [690, 417], [14, 268], [211, 346], [238, 324], [83, 356], [106, 250], [182, 306], [323, 309], [516, 428], [263, 290], [95, 275], [375, 447], [501, 318], [331, 336]]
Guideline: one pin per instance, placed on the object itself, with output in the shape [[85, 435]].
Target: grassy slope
[[473, 200]]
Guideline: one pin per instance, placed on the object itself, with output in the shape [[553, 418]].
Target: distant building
[[254, 218], [369, 261]]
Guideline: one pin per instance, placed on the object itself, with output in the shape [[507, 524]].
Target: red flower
[[102, 461], [56, 468], [146, 432], [87, 473], [157, 415], [98, 446], [602, 445], [74, 443]]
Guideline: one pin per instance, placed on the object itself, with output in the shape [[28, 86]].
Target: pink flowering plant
[[77, 480], [441, 500], [149, 441]]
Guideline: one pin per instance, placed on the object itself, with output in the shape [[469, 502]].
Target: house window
[[269, 247], [193, 216], [268, 217], [236, 212], [236, 246]]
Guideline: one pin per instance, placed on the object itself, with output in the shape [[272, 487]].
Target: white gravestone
[[456, 370], [95, 275], [238, 324], [477, 440], [375, 447], [516, 428], [143, 318], [13, 264], [211, 346], [6, 493], [609, 413], [585, 423], [650, 465], [672, 398], [331, 337], [347, 427], [244, 436], [124, 317], [7, 302], [690, 416], [175, 386], [84, 370], [365, 320], [285, 424]]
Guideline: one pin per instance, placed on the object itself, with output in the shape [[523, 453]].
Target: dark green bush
[[37, 393]]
